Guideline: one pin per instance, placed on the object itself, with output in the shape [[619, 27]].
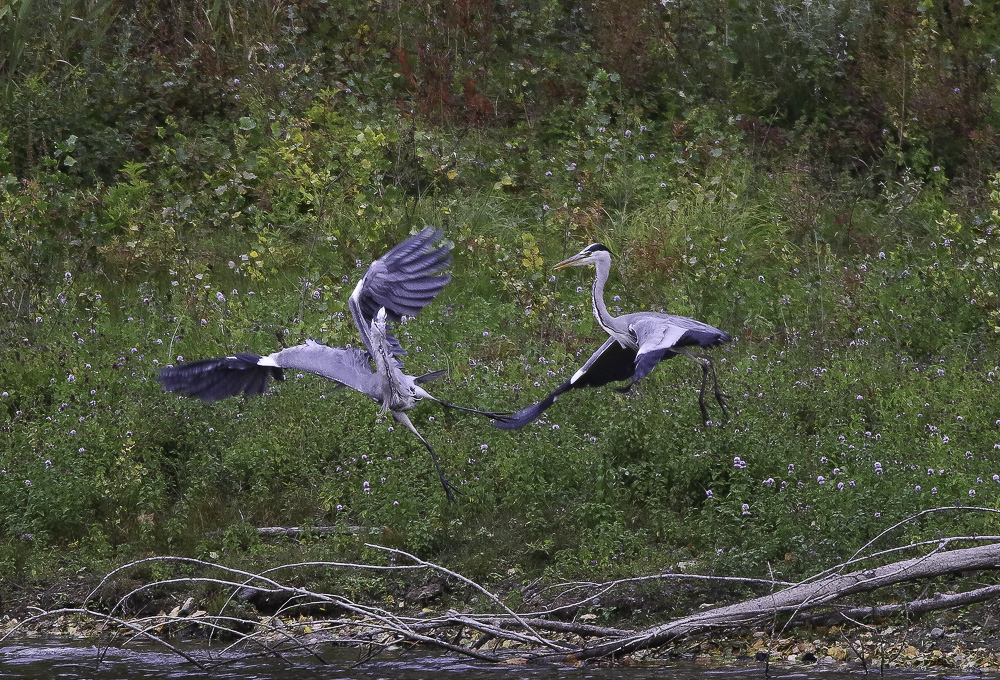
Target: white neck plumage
[[602, 268]]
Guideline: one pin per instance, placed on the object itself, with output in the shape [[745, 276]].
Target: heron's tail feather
[[214, 379]]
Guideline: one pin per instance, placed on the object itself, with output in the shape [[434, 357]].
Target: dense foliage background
[[188, 179]]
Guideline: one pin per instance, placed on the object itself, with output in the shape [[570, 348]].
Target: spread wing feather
[[664, 331], [652, 335], [404, 281], [349, 366], [214, 379], [610, 363]]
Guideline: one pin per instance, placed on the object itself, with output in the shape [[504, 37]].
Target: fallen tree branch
[[537, 638], [915, 608], [604, 588], [581, 629], [128, 625], [804, 595], [496, 633], [298, 532]]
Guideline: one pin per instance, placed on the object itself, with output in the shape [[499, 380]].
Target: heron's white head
[[378, 324], [589, 255]]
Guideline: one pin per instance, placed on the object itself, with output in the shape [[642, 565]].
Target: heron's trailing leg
[[720, 396], [707, 366], [449, 489], [421, 393]]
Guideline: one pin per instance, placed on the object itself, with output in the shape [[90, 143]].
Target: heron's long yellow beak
[[572, 261]]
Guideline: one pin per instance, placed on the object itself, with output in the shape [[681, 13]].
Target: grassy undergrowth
[[213, 203], [862, 391]]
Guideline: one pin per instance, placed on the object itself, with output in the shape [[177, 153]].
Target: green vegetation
[[199, 178]]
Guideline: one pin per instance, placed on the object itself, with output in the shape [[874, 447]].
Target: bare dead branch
[[806, 594], [298, 532], [604, 588], [538, 639], [915, 608], [819, 599]]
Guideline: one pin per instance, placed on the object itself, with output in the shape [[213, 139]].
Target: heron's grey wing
[[407, 278], [659, 336], [665, 331], [349, 366], [404, 281], [646, 362], [214, 379], [655, 332], [610, 363]]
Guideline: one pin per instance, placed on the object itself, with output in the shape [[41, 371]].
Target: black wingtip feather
[[530, 414], [215, 379], [427, 377], [704, 338]]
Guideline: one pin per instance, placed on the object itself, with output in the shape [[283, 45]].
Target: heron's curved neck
[[603, 270], [385, 366]]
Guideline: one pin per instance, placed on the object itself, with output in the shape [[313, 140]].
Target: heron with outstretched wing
[[637, 342], [400, 283]]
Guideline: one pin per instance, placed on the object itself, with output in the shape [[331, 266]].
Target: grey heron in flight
[[401, 282], [637, 342]]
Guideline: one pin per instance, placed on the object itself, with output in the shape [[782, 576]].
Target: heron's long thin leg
[[488, 414], [720, 396], [701, 392], [707, 365], [449, 489]]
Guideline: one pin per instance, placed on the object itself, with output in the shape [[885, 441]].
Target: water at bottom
[[44, 659]]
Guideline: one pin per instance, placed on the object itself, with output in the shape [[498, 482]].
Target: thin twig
[[539, 639]]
